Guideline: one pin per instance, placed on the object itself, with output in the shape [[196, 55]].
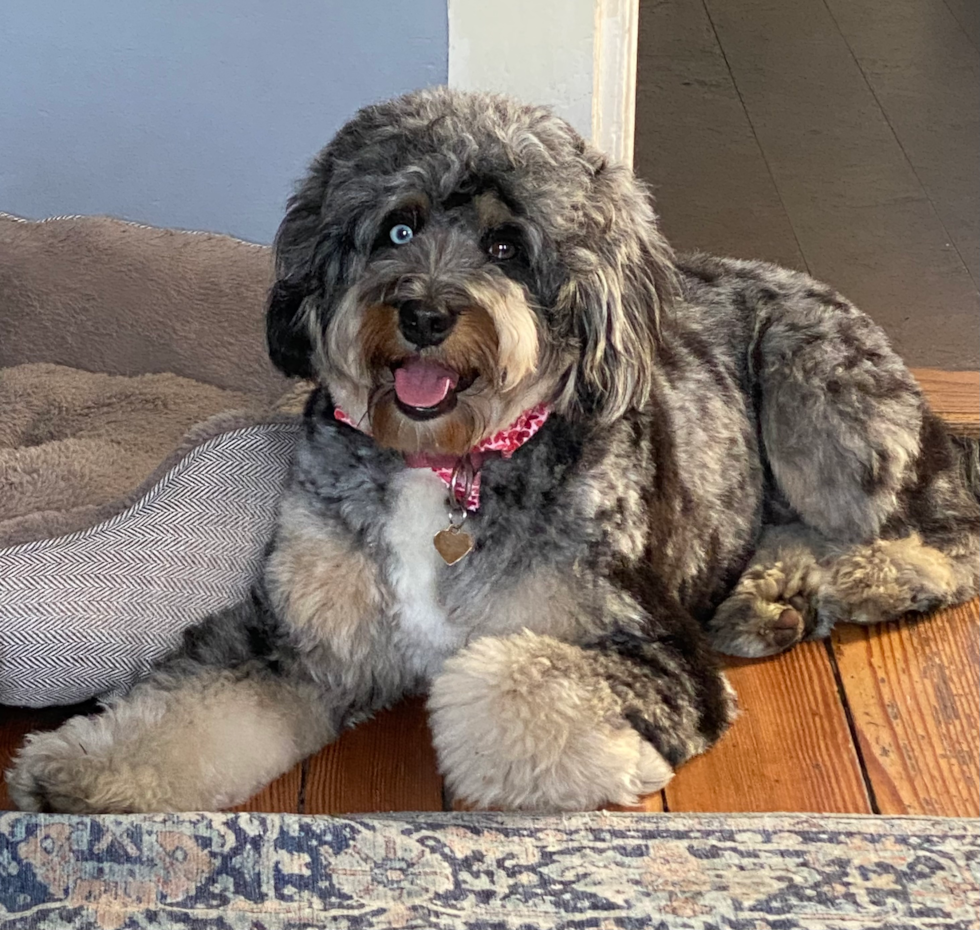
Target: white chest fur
[[423, 632]]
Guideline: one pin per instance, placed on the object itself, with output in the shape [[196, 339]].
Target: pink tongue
[[423, 382]]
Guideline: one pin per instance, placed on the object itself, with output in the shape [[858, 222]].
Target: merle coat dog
[[546, 467]]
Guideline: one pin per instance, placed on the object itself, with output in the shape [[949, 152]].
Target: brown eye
[[501, 250]]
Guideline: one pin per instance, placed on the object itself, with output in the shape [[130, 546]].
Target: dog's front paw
[[770, 610], [523, 722], [68, 770], [84, 768]]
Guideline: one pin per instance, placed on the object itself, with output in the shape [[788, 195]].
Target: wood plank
[[650, 804], [385, 764], [789, 750], [17, 722], [280, 797], [913, 688], [955, 396], [862, 218]]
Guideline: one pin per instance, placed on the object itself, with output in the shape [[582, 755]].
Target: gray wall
[[193, 114]]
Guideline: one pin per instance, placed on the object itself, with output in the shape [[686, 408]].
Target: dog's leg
[[889, 519], [212, 724], [889, 578], [529, 722], [236, 705], [201, 741], [251, 691], [799, 586], [840, 414]]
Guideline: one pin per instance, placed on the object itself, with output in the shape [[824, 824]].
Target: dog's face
[[454, 259]]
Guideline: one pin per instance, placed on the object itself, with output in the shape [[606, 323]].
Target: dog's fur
[[733, 448]]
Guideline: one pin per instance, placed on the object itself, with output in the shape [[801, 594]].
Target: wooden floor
[[883, 720], [840, 137]]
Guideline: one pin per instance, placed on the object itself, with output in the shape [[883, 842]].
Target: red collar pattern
[[506, 442]]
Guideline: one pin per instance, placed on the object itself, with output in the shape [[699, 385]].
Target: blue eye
[[401, 233]]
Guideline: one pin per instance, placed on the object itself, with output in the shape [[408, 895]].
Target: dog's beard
[[488, 366]]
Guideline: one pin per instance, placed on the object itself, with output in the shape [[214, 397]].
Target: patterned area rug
[[488, 872]]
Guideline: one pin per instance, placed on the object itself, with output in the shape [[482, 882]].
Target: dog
[[548, 469]]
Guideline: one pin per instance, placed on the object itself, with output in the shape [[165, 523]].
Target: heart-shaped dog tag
[[452, 544]]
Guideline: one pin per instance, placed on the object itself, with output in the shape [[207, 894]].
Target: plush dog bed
[[74, 443], [144, 439]]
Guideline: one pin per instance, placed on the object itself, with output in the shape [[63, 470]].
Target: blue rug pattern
[[607, 871]]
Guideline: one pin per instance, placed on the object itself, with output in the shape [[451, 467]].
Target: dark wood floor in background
[[840, 137], [883, 719]]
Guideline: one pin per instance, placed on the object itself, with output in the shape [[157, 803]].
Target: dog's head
[[453, 259]]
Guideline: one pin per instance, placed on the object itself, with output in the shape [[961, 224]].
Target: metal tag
[[452, 544]]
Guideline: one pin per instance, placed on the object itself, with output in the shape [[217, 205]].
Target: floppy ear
[[622, 279], [300, 244], [286, 332]]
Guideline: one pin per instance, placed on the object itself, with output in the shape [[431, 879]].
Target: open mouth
[[426, 389]]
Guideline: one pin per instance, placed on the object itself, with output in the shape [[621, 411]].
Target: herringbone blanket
[[488, 872], [105, 554]]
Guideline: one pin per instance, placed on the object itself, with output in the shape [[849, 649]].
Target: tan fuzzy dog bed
[[142, 452]]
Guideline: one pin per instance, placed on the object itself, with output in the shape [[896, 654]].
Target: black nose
[[422, 324]]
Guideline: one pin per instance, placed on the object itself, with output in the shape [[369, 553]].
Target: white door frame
[[577, 56]]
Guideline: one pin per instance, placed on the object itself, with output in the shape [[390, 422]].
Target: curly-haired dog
[[640, 448]]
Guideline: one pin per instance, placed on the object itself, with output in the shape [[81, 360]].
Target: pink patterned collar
[[506, 442]]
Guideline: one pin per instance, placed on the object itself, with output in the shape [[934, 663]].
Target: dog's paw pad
[[753, 628], [787, 628]]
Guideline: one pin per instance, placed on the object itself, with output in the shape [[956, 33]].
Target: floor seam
[[851, 726], [301, 798], [963, 29]]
